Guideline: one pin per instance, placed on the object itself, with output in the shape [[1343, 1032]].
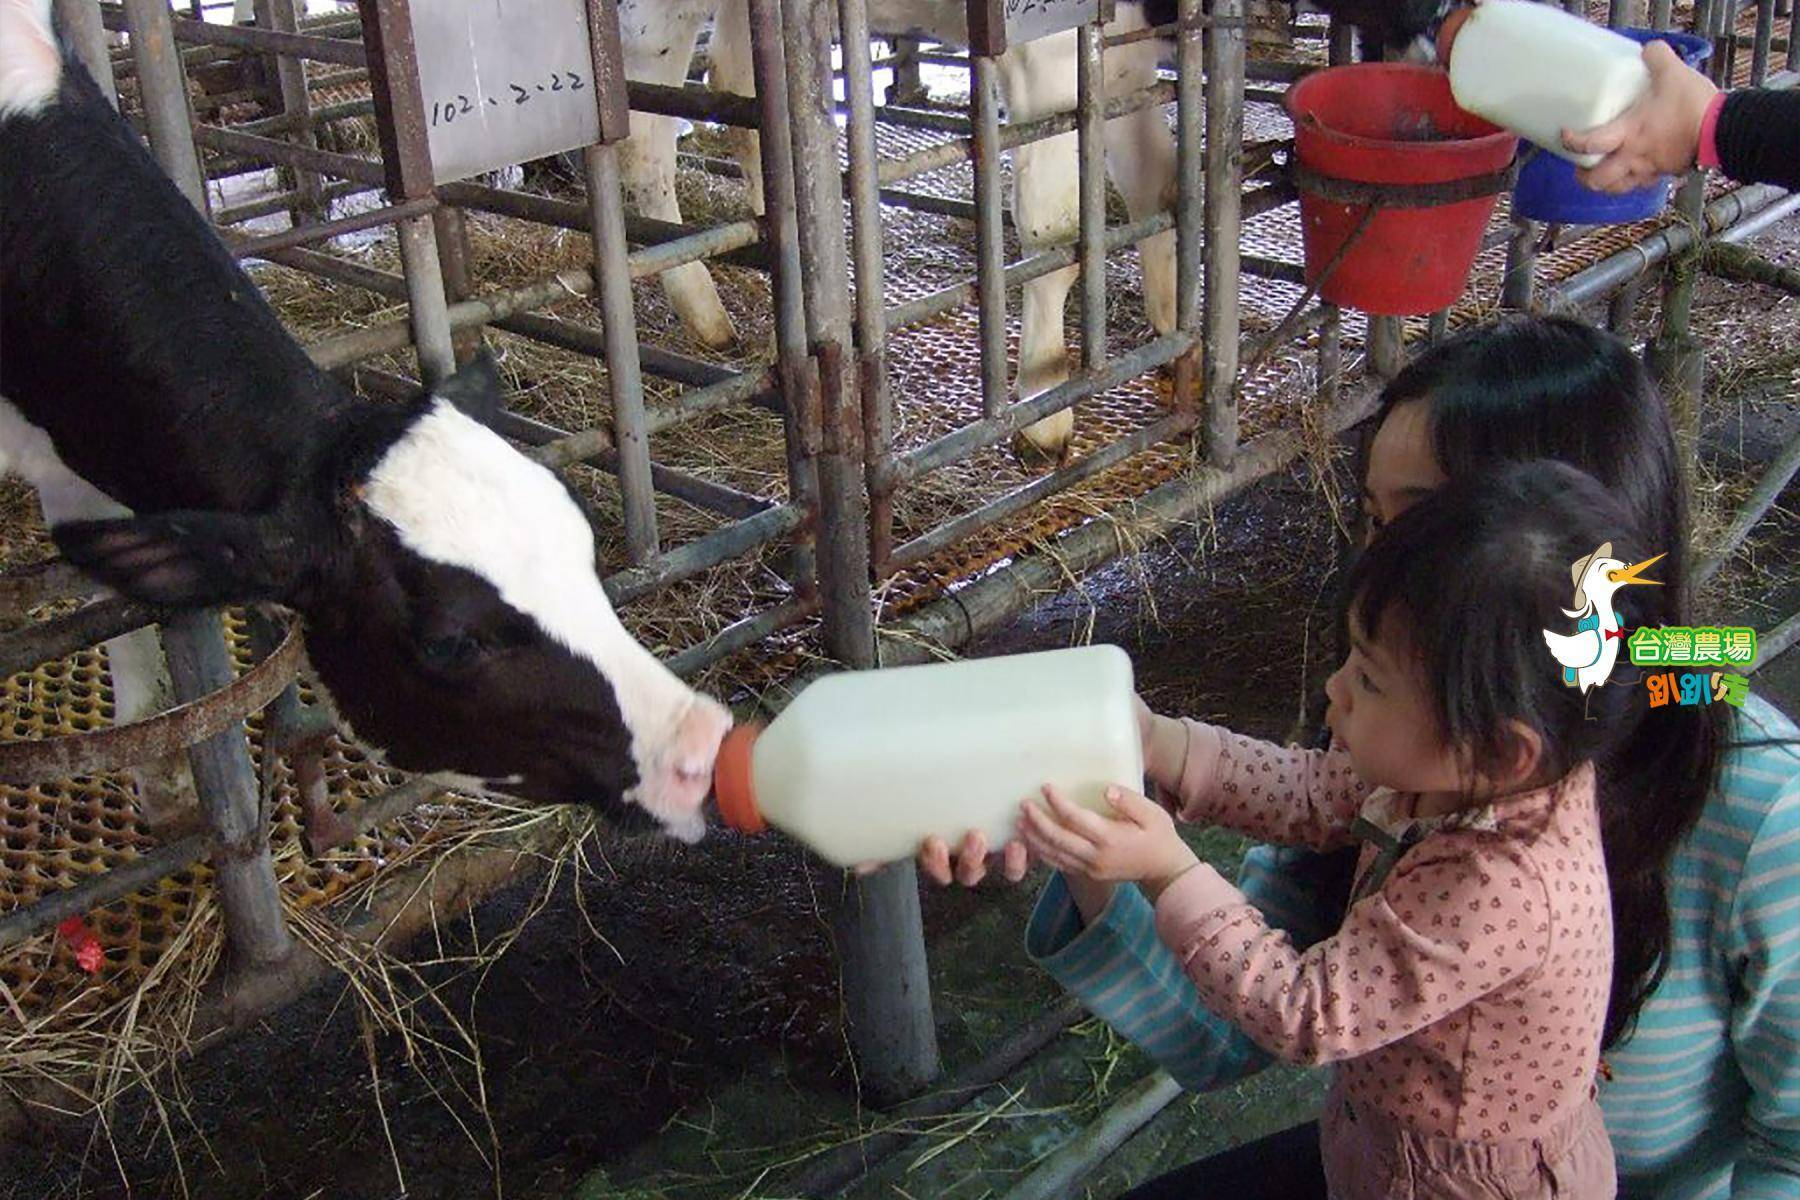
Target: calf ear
[[475, 390], [186, 559]]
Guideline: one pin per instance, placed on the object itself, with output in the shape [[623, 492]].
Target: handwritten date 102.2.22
[[448, 111]]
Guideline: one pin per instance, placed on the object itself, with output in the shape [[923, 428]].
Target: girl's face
[[1403, 469], [1382, 714]]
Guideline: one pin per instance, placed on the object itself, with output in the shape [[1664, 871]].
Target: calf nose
[[685, 767]]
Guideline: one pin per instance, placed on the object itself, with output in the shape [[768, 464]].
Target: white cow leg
[[733, 70], [1141, 158], [1037, 79], [647, 163], [659, 40], [1045, 203], [140, 676]]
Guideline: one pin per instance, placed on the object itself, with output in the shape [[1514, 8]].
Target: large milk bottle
[[1537, 70], [864, 765]]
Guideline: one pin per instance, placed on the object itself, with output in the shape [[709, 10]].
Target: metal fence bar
[[1329, 375], [990, 233], [304, 235], [249, 895], [59, 637], [1224, 55], [742, 634], [162, 89], [703, 553], [960, 443], [871, 284], [1732, 217], [193, 642], [953, 531], [1517, 283], [296, 106], [428, 313], [1190, 63], [344, 51], [1014, 135], [274, 151], [958, 295], [281, 201], [345, 349], [732, 241], [311, 119], [115, 883], [695, 104], [702, 493], [980, 607], [1090, 100], [887, 992], [799, 391], [624, 378], [1761, 54], [85, 34]]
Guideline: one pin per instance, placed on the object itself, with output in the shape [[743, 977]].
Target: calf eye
[[451, 654]]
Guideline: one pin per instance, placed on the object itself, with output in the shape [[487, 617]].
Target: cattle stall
[[838, 489]]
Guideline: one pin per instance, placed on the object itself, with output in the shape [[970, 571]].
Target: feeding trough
[[1396, 185]]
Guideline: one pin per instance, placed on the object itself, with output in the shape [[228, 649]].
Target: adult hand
[[1659, 135], [972, 860]]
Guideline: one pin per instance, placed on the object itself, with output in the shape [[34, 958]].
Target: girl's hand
[[971, 865], [1165, 742], [1139, 843]]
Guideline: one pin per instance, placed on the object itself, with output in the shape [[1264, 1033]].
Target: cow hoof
[[717, 335], [1047, 444]]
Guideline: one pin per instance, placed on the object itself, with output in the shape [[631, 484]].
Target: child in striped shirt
[[1464, 997]]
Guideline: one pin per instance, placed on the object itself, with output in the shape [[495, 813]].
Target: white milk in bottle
[[1537, 70], [864, 765]]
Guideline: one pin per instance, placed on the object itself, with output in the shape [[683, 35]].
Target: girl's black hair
[[1472, 576], [1555, 388]]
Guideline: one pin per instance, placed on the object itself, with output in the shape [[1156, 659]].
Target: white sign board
[[504, 82], [1028, 20]]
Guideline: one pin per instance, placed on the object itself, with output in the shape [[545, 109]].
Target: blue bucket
[[1547, 190]]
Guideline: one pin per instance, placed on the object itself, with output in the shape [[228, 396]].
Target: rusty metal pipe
[[990, 234]]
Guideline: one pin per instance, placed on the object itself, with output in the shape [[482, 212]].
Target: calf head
[[452, 607]]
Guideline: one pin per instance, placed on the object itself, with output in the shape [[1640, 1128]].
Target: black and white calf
[[447, 583]]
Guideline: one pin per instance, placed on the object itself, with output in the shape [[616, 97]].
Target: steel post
[[162, 88], [229, 798], [871, 289], [887, 992], [1517, 285], [1224, 226], [624, 377], [990, 232], [85, 33], [1090, 137]]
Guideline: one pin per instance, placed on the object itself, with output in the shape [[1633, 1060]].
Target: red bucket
[[1392, 123]]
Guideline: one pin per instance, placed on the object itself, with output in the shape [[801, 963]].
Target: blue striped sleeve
[[1282, 894], [1764, 945], [1125, 976]]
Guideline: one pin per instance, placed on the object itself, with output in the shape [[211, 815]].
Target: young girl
[[1704, 1088], [1465, 994]]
